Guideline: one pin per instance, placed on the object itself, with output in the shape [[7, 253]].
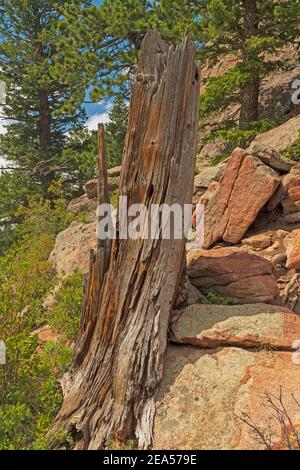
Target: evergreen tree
[[36, 93], [116, 131], [109, 37], [102, 43], [44, 137], [251, 30]]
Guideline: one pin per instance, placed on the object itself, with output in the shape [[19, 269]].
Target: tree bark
[[250, 91], [44, 123], [110, 393]]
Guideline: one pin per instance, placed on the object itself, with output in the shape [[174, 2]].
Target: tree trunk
[[99, 263], [249, 101], [110, 393], [250, 91], [44, 124]]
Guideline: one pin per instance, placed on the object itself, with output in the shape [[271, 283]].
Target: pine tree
[[36, 93], [116, 131], [251, 30], [44, 137], [102, 43]]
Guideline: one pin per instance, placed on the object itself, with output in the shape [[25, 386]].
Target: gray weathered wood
[[99, 262]]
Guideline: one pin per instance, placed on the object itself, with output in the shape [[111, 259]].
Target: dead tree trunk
[[119, 356], [99, 263]]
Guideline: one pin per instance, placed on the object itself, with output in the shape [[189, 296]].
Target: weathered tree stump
[[110, 394]]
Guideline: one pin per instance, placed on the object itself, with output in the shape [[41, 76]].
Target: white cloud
[[2, 131], [3, 122], [2, 101], [2, 126], [93, 121]]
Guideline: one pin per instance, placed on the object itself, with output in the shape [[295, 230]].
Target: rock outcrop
[[260, 241], [83, 204], [45, 334], [292, 243], [113, 180], [282, 137], [232, 204], [205, 178], [224, 360], [270, 157], [247, 326], [229, 359], [244, 277], [72, 248], [91, 187], [291, 184], [73, 245], [204, 394], [87, 202]]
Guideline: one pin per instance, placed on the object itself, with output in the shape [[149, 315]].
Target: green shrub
[[218, 159], [65, 315], [29, 385], [238, 137], [114, 198], [293, 152], [29, 392], [114, 445], [213, 298], [15, 426]]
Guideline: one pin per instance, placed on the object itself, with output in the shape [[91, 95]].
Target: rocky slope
[[231, 366]]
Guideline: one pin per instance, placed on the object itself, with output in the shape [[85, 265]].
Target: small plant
[[63, 441], [213, 298], [197, 170], [114, 198], [29, 392], [293, 152], [131, 444], [15, 422], [218, 159], [288, 436], [238, 136], [65, 315]]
